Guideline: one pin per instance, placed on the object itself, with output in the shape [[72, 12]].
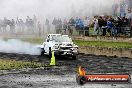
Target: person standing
[[64, 26], [47, 25], [100, 22], [21, 25], [104, 26], [60, 25], [109, 26], [54, 23], [27, 23], [12, 26], [39, 28], [5, 24], [96, 25], [35, 22], [86, 26], [81, 26], [71, 26]]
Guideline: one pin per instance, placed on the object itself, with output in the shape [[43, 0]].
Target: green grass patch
[[88, 43], [12, 64], [103, 44]]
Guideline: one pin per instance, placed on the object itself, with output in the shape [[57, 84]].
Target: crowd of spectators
[[29, 25], [70, 25], [100, 25], [111, 25]]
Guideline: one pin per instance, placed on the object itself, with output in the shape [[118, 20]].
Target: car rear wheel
[[42, 52]]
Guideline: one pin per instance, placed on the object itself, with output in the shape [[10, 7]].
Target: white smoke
[[54, 8], [18, 46]]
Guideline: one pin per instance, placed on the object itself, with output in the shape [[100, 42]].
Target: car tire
[[74, 57], [50, 53], [42, 52]]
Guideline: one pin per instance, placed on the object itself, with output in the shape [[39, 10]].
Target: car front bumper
[[66, 52]]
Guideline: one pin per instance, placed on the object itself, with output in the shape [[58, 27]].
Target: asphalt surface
[[64, 74]]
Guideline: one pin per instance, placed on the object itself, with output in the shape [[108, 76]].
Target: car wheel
[[74, 57], [50, 53], [42, 52]]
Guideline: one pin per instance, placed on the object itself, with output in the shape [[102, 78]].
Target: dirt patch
[[119, 52], [64, 74], [103, 38]]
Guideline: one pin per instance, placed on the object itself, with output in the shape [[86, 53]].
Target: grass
[[103, 44], [90, 43], [12, 64]]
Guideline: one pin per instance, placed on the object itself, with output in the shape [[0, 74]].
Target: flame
[[81, 71]]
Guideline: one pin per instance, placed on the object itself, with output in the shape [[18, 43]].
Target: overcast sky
[[53, 8]]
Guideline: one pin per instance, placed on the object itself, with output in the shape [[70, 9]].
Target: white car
[[60, 44]]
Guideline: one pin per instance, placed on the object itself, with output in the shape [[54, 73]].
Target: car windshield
[[61, 39]]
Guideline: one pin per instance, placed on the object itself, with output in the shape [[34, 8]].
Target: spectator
[[69, 30], [31, 25], [60, 25], [86, 25], [104, 26], [118, 24], [77, 24], [4, 25], [39, 28], [80, 26], [71, 26], [47, 25], [35, 21], [100, 23], [21, 25], [27, 23], [55, 24], [64, 26], [71, 22], [109, 26], [12, 26], [96, 25]]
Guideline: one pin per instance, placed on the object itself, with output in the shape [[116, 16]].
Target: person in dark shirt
[[104, 26], [118, 24], [100, 22]]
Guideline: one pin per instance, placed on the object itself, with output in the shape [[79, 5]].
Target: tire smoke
[[18, 46]]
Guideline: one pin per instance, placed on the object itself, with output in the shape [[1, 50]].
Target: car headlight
[[55, 47]]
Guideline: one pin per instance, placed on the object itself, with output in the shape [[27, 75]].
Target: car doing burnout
[[60, 44]]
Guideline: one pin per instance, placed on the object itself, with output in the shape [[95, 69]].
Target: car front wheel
[[50, 53], [74, 57]]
